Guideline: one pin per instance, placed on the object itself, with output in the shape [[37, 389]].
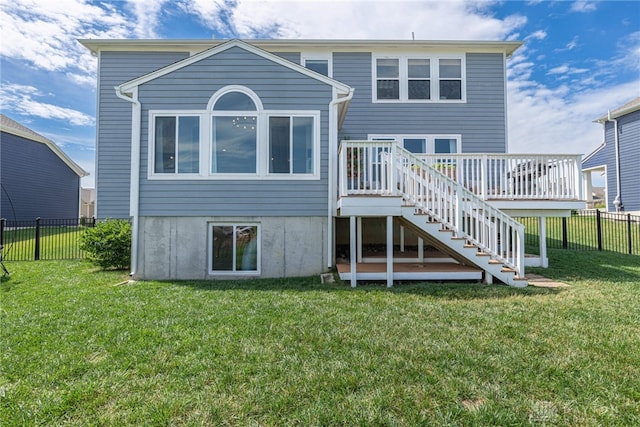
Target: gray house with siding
[[38, 179], [617, 158], [264, 158]]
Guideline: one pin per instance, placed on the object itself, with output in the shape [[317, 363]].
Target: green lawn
[[78, 350]]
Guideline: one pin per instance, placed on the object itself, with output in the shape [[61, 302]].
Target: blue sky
[[579, 59]]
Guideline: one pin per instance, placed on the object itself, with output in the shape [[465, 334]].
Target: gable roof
[[127, 87], [629, 107], [9, 125]]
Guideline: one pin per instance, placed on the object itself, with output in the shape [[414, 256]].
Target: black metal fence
[[43, 239], [588, 229], [57, 239]]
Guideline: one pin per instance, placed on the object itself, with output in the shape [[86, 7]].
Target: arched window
[[234, 130]]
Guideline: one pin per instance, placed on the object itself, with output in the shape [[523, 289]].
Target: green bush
[[108, 244]]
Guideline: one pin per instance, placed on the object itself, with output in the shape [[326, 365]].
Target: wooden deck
[[428, 271]]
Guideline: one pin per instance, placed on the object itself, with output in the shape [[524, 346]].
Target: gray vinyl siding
[[35, 181], [629, 133], [190, 88], [113, 147], [480, 121], [629, 142]]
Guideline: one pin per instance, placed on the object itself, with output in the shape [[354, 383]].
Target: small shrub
[[108, 244]]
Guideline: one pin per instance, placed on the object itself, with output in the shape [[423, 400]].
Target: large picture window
[[234, 134], [177, 141], [235, 248], [418, 79], [234, 138]]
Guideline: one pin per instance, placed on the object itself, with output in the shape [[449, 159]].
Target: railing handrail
[[385, 168], [471, 206]]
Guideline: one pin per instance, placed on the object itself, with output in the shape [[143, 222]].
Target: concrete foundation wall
[[177, 247]]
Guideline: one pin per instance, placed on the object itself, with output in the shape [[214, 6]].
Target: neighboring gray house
[[618, 158], [37, 178], [274, 158]]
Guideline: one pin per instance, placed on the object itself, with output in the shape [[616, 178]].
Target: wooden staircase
[[435, 207], [446, 241]]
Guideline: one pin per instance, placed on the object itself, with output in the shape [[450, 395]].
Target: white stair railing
[[469, 216], [384, 168]]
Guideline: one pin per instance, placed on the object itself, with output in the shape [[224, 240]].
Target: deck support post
[[488, 278], [359, 238], [402, 238], [352, 249], [389, 251], [420, 249], [542, 244]]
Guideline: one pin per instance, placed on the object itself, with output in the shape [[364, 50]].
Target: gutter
[[335, 123], [135, 172], [616, 202]]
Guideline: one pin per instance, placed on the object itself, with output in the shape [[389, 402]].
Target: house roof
[[283, 45], [127, 87], [9, 125], [629, 107]]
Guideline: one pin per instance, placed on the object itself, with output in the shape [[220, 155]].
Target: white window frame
[[319, 56], [315, 115], [151, 174], [211, 271], [430, 140], [206, 141], [434, 63]]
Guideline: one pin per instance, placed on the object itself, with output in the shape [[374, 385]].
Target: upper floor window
[[418, 79], [318, 62]]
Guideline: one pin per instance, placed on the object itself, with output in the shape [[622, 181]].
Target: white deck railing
[[514, 176], [384, 168]]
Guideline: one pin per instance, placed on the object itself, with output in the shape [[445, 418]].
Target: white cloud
[[146, 13], [355, 19], [583, 6], [43, 32], [566, 69], [22, 100]]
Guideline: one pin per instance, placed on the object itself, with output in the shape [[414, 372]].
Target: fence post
[[36, 255], [565, 240], [599, 229], [3, 223], [629, 233]]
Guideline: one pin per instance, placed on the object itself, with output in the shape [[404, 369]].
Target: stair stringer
[[458, 248]]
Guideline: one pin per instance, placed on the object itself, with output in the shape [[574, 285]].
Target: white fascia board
[[127, 87], [52, 146], [186, 45]]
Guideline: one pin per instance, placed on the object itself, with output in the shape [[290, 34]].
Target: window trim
[[206, 141], [151, 158], [311, 56], [315, 115], [434, 64], [211, 271]]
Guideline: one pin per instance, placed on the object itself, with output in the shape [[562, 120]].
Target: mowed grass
[[77, 349]]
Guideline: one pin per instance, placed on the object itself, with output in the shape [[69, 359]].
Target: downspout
[[617, 202], [135, 172], [334, 124]]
